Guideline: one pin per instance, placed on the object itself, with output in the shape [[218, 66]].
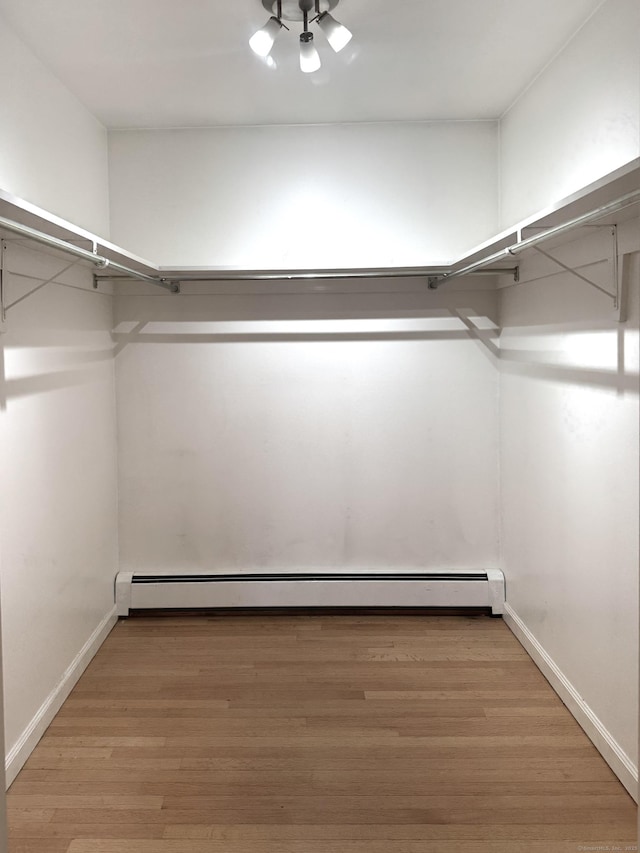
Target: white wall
[[569, 479], [579, 120], [281, 431], [3, 803], [305, 196], [53, 152], [310, 429], [58, 490]]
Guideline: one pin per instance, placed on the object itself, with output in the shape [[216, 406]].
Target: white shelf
[[595, 195]]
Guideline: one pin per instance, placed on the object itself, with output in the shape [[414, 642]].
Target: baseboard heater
[[140, 591]]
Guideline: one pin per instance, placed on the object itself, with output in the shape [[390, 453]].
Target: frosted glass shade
[[309, 57], [337, 34], [262, 41]]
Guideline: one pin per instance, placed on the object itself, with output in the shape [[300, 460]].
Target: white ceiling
[[186, 63]]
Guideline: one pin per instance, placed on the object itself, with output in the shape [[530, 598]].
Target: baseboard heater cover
[[143, 591]]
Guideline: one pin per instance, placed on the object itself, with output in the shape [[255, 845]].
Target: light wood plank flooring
[[315, 733]]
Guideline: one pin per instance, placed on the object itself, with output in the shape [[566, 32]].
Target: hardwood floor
[[315, 733]]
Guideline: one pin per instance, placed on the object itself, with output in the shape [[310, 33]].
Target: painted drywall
[[58, 490], [281, 427], [304, 196], [579, 120], [569, 474], [3, 799], [53, 152]]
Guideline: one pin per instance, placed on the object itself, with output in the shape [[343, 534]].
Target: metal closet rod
[[84, 254], [327, 274], [435, 278], [515, 249]]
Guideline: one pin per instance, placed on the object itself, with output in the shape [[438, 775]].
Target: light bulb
[[262, 41], [337, 34], [309, 56]]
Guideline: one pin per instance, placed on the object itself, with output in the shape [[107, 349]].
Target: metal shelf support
[[532, 242], [84, 254], [3, 307]]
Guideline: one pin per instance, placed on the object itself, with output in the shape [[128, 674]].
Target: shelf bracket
[[614, 293], [621, 277], [50, 280], [3, 307]]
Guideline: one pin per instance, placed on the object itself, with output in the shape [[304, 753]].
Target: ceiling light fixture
[[262, 41], [309, 56], [336, 33]]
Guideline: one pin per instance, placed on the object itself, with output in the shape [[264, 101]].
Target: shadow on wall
[[52, 335], [3, 390], [313, 312], [463, 325], [288, 313], [542, 338], [45, 382], [527, 363], [618, 381], [138, 335]]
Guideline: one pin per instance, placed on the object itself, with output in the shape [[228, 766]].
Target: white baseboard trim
[[602, 739], [28, 740]]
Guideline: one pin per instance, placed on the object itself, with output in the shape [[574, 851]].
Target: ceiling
[[186, 63]]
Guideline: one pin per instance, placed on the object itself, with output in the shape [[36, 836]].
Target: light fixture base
[[293, 10]]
